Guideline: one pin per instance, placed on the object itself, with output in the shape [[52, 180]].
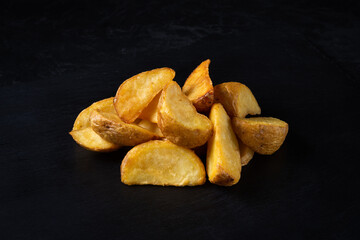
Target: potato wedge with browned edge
[[109, 126], [246, 153], [223, 161], [199, 89], [162, 163], [150, 112], [237, 99], [179, 121], [264, 135], [83, 134], [136, 93], [152, 127]]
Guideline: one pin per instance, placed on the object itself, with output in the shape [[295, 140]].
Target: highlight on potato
[[165, 125]]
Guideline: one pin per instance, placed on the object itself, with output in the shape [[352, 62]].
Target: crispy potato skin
[[237, 99], [162, 163], [83, 134], [264, 135], [116, 131], [246, 153], [136, 93], [199, 89], [223, 161], [190, 133]]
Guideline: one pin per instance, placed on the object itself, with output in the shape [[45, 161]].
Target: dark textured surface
[[302, 62]]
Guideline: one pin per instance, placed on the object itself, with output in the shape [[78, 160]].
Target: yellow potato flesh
[[162, 163], [237, 99], [152, 127], [264, 135], [150, 112], [223, 162], [179, 121], [84, 135], [198, 87], [136, 93]]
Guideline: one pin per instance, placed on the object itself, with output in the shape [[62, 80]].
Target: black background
[[301, 60]]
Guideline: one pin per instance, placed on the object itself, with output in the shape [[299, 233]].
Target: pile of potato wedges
[[168, 125]]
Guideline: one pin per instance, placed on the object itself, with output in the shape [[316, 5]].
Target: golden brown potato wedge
[[137, 92], [83, 134], [237, 99], [152, 127], [162, 163], [223, 163], [179, 121], [198, 87], [264, 135], [150, 112], [90, 140], [109, 126], [246, 153]]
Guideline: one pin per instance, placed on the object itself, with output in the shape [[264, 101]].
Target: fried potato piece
[[179, 121], [83, 134], [89, 140], [109, 126], [137, 92], [152, 127], [264, 135], [246, 153], [237, 99], [150, 112], [198, 87], [223, 162], [162, 163]]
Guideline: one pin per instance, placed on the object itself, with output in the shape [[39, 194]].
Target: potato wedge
[[246, 153], [136, 93], [152, 127], [109, 126], [223, 162], [162, 163], [179, 121], [150, 112], [237, 99], [199, 89], [83, 134], [90, 140], [264, 135]]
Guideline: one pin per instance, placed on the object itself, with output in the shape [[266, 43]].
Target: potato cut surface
[[264, 135], [84, 135], [198, 87], [223, 162], [237, 99], [162, 163], [150, 112], [179, 121], [136, 93]]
